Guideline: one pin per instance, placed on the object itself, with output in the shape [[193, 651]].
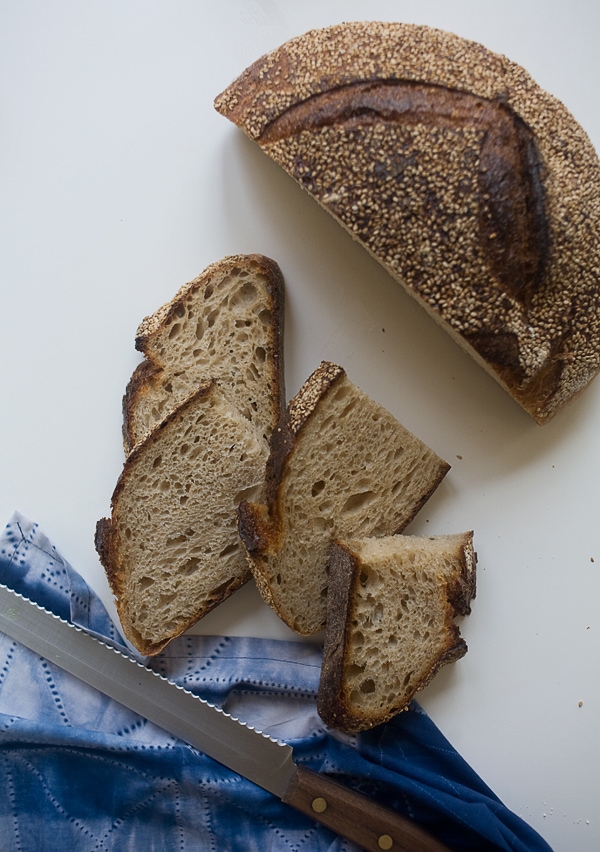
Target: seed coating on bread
[[341, 465], [476, 190], [390, 623], [227, 324], [171, 549]]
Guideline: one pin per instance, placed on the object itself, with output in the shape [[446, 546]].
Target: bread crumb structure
[[171, 549], [226, 324], [341, 465], [476, 189], [391, 607], [198, 414]]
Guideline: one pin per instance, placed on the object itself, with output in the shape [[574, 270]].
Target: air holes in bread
[[358, 502], [242, 297], [231, 548], [317, 487], [190, 566]]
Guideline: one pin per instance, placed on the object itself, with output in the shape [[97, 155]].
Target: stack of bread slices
[[223, 482]]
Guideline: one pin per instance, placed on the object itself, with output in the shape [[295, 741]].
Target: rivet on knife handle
[[360, 819]]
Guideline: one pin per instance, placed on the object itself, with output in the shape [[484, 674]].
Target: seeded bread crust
[[390, 623], [473, 187], [170, 549], [340, 464], [227, 324]]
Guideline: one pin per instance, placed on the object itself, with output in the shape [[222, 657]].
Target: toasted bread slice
[[171, 549], [390, 623], [341, 465]]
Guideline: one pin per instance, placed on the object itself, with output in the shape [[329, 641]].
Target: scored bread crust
[[476, 189], [227, 324], [340, 464], [358, 653], [170, 549]]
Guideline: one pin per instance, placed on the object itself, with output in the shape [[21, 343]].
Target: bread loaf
[[340, 465], [227, 324], [171, 549], [476, 189], [391, 607]]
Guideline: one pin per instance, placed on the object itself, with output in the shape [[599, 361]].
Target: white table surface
[[119, 183]]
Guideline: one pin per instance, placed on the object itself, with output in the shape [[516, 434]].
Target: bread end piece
[[390, 623]]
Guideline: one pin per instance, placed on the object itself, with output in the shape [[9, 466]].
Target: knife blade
[[265, 761]]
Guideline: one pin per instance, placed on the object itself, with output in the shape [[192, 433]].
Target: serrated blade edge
[[247, 751]]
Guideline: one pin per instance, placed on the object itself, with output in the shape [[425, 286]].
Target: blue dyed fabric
[[80, 772]]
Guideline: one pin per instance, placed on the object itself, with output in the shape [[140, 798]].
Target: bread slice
[[227, 325], [475, 189], [171, 550], [340, 465], [390, 623]]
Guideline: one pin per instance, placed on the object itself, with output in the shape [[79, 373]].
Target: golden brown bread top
[[470, 184], [326, 59]]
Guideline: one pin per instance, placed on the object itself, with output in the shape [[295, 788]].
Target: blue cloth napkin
[[80, 772]]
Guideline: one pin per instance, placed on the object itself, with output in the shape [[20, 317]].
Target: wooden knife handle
[[356, 817]]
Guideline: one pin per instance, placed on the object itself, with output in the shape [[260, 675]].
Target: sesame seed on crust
[[476, 189]]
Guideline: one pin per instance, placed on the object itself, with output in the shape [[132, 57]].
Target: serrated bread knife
[[255, 755]]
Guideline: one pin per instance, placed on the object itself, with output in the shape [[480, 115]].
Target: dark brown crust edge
[[298, 412], [461, 587], [142, 377], [259, 525], [344, 573]]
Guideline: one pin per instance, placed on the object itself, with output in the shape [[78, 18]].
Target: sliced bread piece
[[171, 550], [340, 466], [390, 623], [227, 325], [477, 190]]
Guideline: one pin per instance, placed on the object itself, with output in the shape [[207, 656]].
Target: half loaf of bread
[[226, 324], [476, 190], [171, 549], [340, 466], [390, 623]]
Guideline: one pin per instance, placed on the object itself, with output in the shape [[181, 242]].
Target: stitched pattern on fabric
[[81, 772]]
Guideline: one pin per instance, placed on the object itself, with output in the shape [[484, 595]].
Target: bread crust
[[259, 525], [149, 372], [476, 190], [334, 703]]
